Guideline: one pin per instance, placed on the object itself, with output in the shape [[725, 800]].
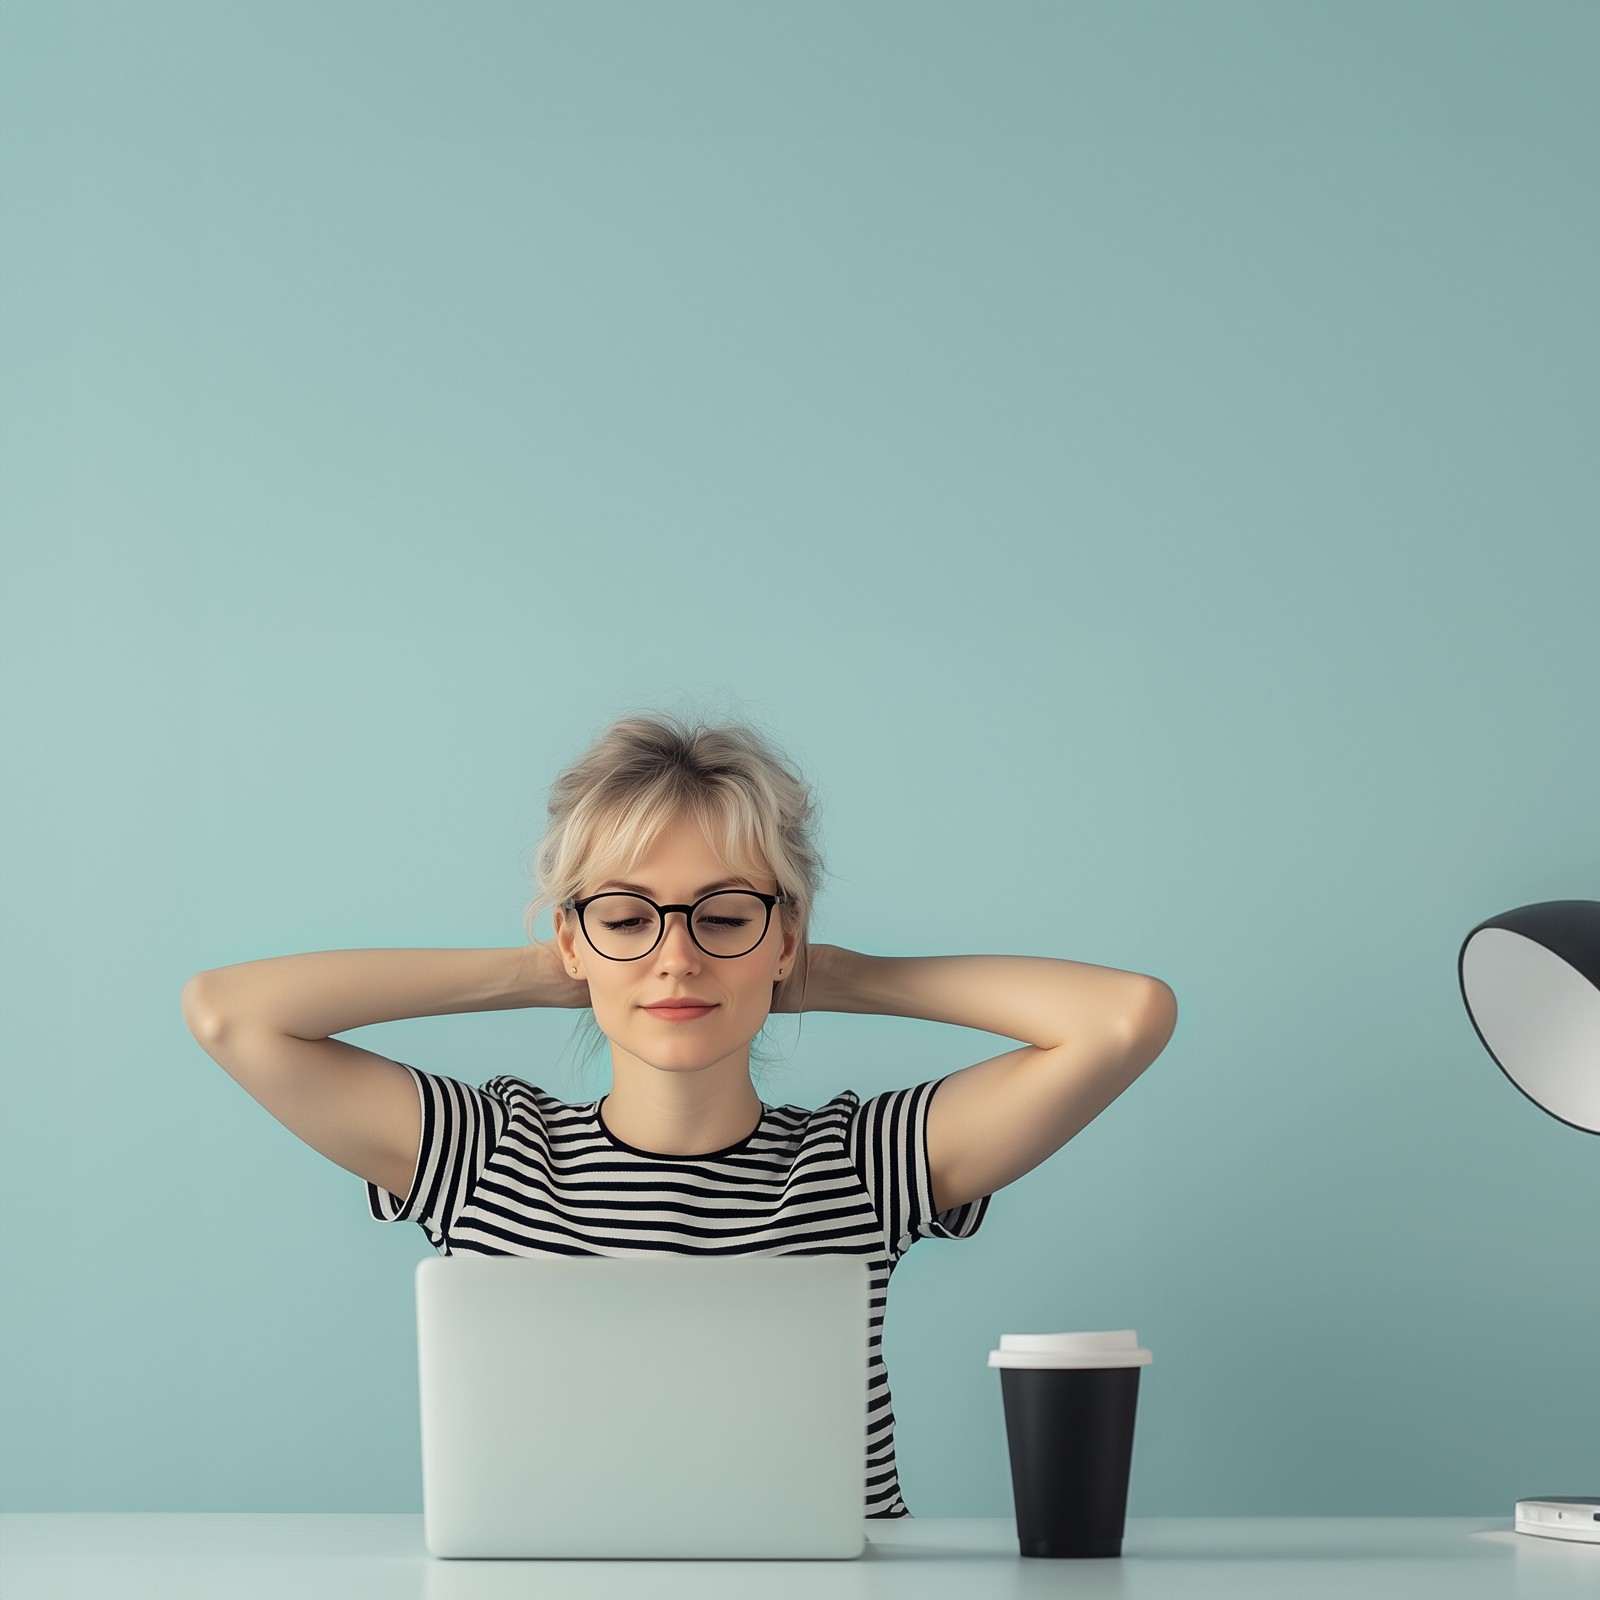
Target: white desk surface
[[57, 1555]]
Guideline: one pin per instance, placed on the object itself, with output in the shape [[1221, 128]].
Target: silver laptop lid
[[655, 1407]]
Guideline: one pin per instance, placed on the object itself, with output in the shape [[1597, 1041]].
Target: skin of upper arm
[[990, 1123]]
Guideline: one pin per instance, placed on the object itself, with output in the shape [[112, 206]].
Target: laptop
[[695, 1407]]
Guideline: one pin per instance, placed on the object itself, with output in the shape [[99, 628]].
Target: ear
[[566, 939], [791, 944]]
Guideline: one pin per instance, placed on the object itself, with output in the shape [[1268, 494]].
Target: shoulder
[[840, 1109], [525, 1106], [802, 1124], [508, 1088]]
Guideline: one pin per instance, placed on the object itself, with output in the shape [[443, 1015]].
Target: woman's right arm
[[269, 1023], [324, 992]]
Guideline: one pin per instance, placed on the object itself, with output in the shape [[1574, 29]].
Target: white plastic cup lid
[[1118, 1349]]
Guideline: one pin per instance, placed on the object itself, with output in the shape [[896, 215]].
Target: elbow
[[197, 1012], [1157, 1018]]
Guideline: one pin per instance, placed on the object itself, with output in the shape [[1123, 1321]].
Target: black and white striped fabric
[[510, 1170]]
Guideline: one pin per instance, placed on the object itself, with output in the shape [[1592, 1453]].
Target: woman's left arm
[[1037, 999]]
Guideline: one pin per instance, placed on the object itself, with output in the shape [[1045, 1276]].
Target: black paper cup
[[1069, 1402]]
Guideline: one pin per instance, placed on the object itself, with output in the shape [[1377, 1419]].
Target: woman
[[682, 869]]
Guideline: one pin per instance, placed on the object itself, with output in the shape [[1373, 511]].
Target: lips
[[681, 1005]]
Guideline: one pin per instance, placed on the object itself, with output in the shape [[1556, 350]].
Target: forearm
[[1038, 999], [324, 992]]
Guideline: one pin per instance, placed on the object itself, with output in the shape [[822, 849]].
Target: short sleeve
[[460, 1127], [887, 1137]]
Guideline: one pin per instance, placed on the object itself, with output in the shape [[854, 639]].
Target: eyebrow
[[636, 888]]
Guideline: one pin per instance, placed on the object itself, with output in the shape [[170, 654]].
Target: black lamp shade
[[1531, 982]]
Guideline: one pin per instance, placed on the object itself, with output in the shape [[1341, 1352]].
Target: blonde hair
[[646, 770]]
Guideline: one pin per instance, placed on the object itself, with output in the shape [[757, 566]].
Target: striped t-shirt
[[510, 1170]]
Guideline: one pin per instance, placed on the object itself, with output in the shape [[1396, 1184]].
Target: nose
[[677, 927]]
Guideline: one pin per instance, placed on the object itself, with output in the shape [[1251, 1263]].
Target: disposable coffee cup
[[1069, 1401]]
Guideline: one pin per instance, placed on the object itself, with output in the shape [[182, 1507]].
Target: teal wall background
[[1138, 459]]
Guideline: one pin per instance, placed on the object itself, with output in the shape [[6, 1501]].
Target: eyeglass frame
[[581, 906]]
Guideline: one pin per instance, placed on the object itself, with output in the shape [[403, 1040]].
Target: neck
[[681, 1110]]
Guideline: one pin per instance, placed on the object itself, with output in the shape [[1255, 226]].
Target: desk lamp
[[1531, 982]]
